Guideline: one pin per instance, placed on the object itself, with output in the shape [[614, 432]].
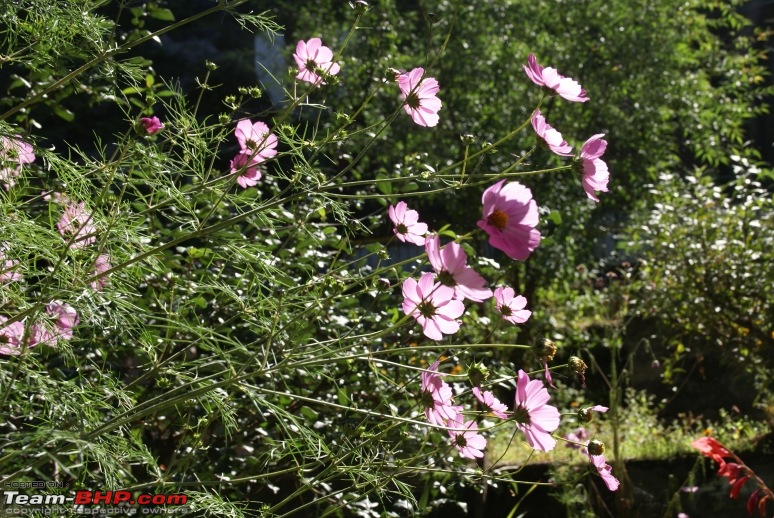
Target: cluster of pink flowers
[[257, 144], [531, 413], [58, 325], [77, 227], [14, 153], [436, 300], [588, 164]]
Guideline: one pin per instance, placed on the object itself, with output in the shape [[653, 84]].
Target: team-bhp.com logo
[[92, 502], [119, 497]]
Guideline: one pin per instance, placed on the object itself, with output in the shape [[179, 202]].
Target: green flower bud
[[210, 65], [224, 118], [360, 6], [467, 138], [477, 374]]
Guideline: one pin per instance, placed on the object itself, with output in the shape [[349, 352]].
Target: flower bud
[[577, 365], [210, 65], [546, 349], [360, 6], [224, 118], [254, 92], [467, 139], [477, 374], [242, 90], [596, 447]]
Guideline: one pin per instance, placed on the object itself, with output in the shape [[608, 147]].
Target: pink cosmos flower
[[433, 305], [554, 82], [256, 140], [510, 307], [577, 437], [101, 265], [594, 171], [407, 226], [11, 337], [510, 216], [532, 415], [55, 197], [469, 442], [151, 125], [247, 169], [312, 56], [552, 138], [7, 269], [14, 149], [437, 397], [65, 319], [76, 224], [491, 403], [14, 153], [605, 471], [419, 99], [450, 263]]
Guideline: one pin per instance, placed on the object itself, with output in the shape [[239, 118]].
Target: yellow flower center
[[498, 219]]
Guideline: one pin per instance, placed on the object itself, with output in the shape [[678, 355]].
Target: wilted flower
[[587, 414], [419, 97], [604, 469], [313, 57], [510, 216]]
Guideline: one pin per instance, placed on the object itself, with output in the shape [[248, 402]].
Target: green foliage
[[706, 269]]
